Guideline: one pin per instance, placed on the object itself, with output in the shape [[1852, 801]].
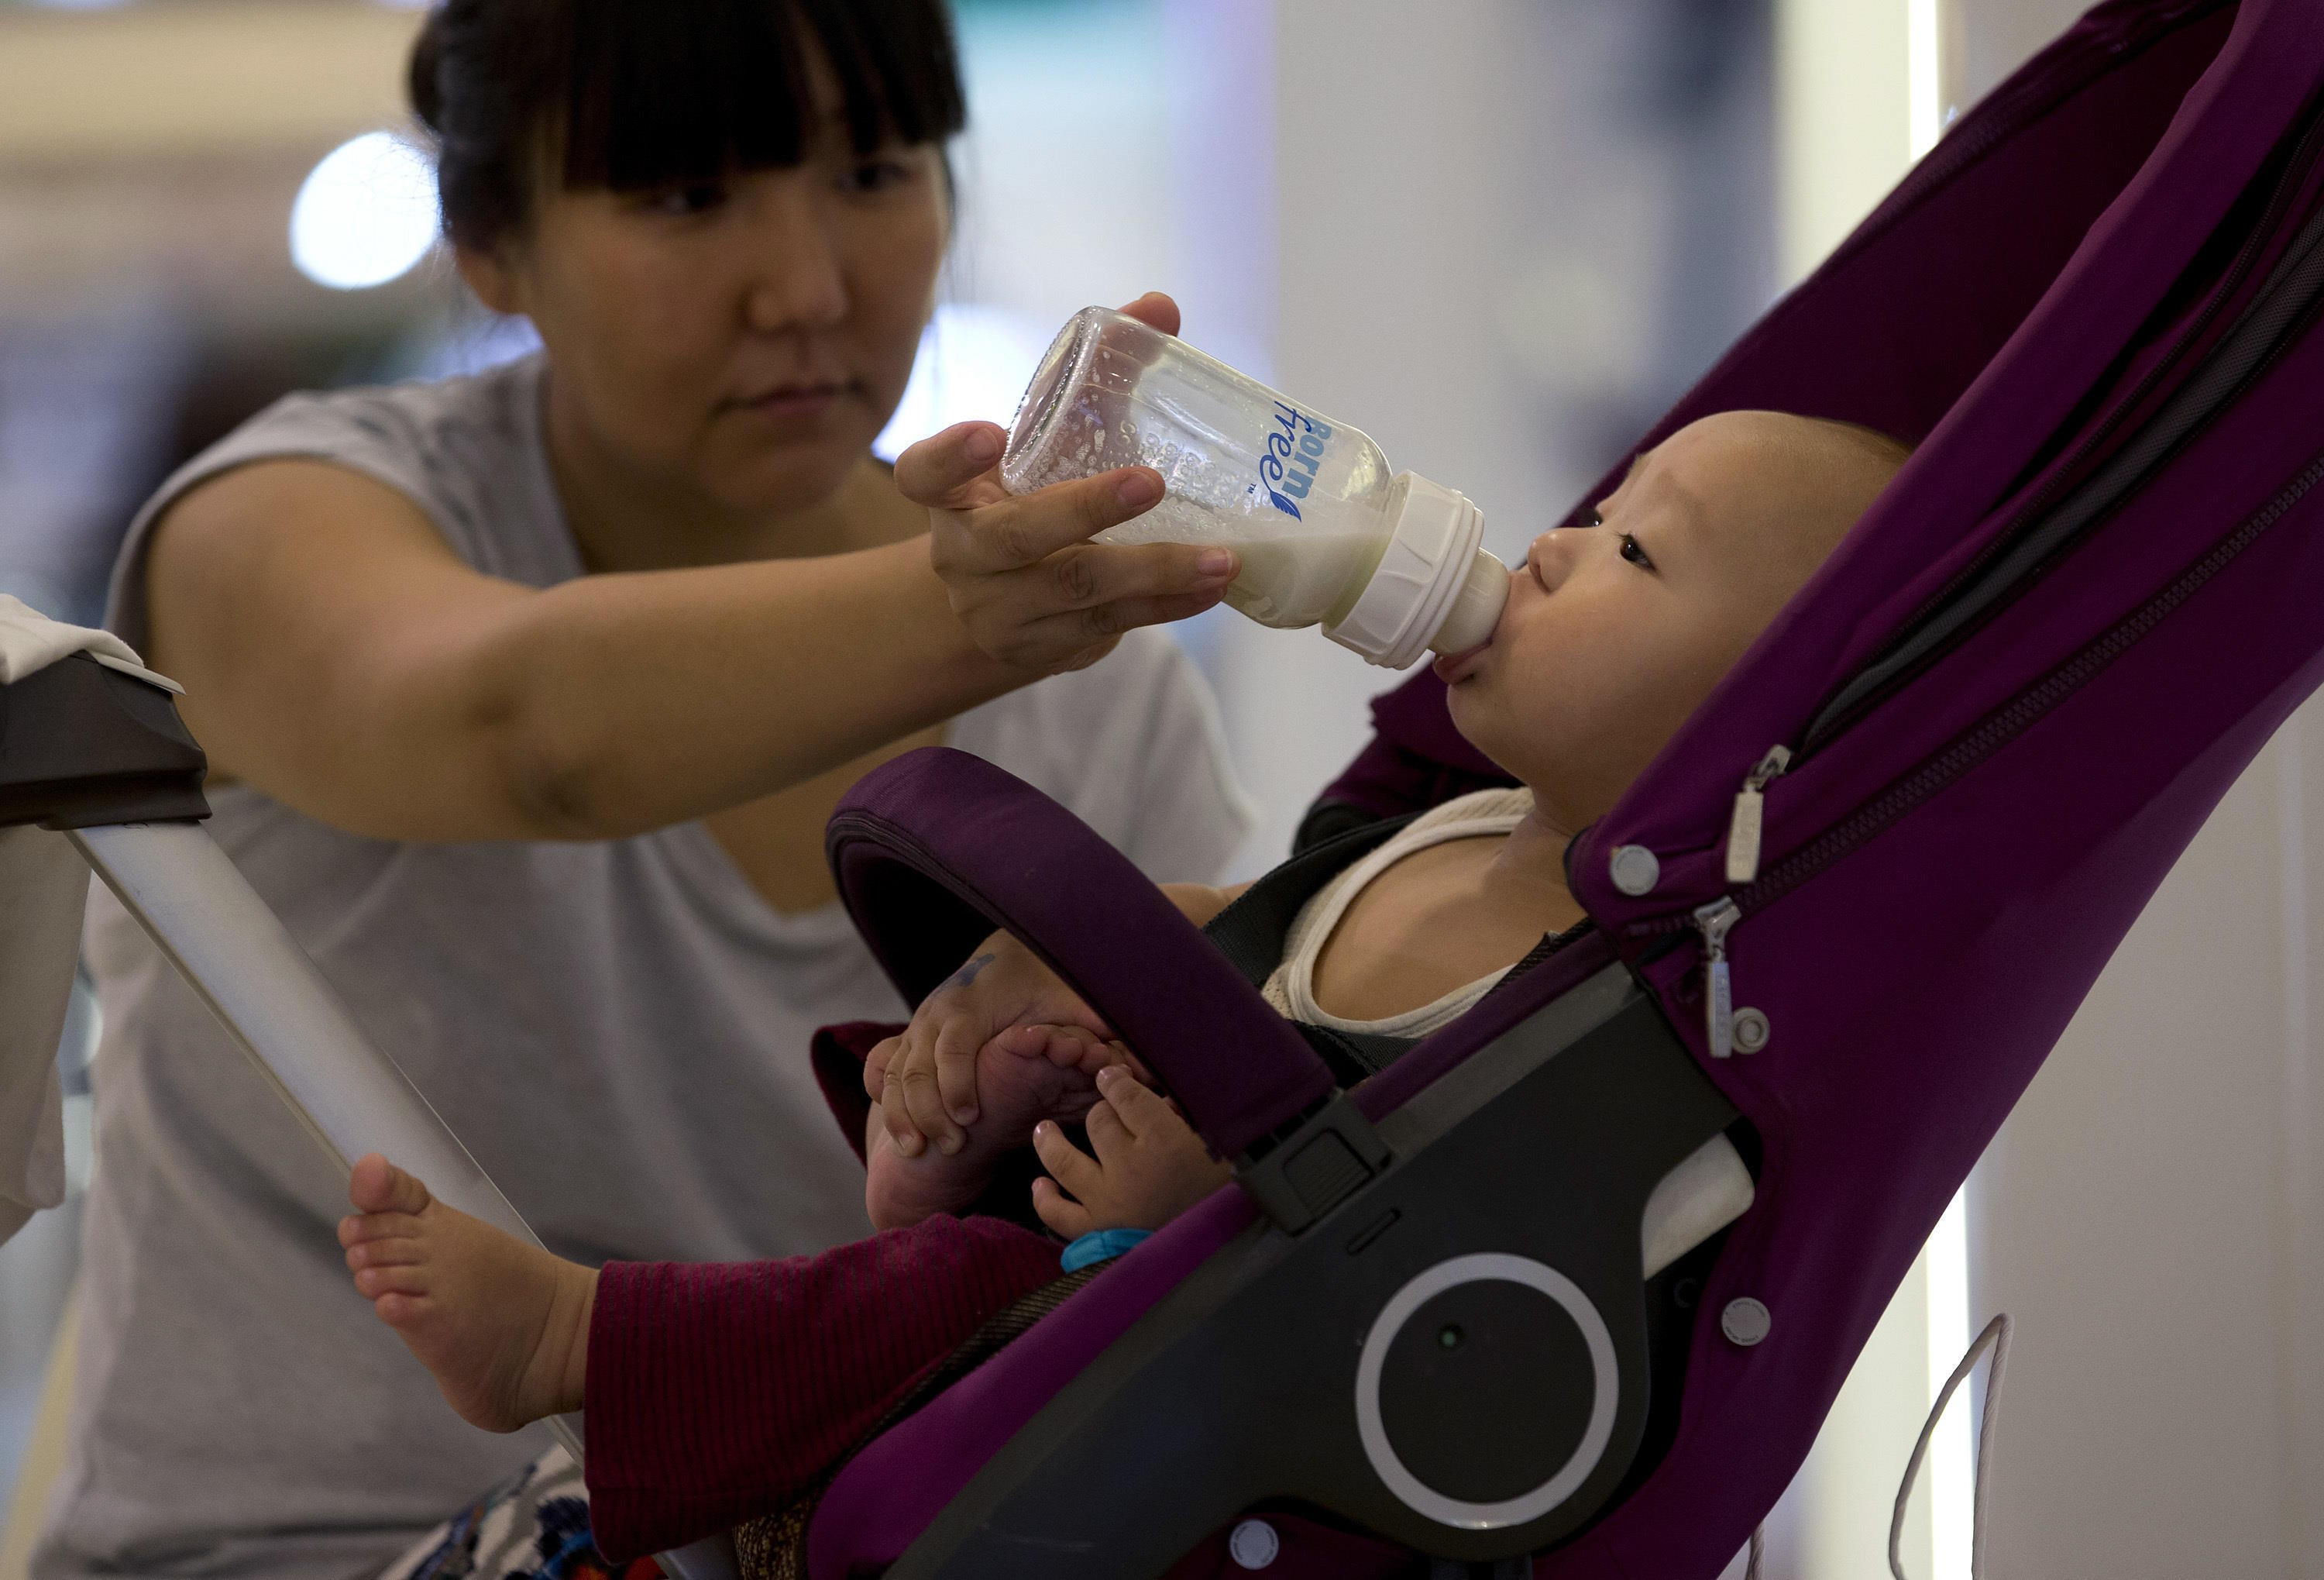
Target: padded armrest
[[935, 849]]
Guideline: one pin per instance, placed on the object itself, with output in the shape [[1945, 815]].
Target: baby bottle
[[1389, 566]]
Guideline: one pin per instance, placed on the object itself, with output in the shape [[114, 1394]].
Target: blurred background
[[1501, 235]]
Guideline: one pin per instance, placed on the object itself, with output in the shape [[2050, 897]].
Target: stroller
[[1835, 927]]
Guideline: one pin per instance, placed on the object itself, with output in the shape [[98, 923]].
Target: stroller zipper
[[1718, 990], [1743, 828]]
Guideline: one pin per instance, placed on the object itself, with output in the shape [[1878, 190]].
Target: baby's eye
[[1596, 519], [1634, 552]]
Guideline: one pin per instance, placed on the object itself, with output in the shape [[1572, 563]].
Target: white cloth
[[43, 884], [30, 642], [1291, 988]]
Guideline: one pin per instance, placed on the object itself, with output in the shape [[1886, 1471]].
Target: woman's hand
[[925, 1081], [1031, 591]]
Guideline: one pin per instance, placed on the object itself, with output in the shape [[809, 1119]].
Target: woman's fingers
[[1155, 310], [952, 470], [1071, 1167], [1063, 1214], [1023, 530]]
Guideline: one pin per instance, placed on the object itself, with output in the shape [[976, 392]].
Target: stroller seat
[[2006, 704], [1497, 1386]]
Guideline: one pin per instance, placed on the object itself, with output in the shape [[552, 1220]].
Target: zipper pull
[[1718, 991], [1743, 830]]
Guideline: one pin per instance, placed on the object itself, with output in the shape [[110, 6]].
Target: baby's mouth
[[1453, 668]]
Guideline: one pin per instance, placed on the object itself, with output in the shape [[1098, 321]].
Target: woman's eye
[[1596, 519], [693, 198], [875, 175], [1634, 552]]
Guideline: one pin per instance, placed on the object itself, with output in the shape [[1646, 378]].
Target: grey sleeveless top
[[618, 1030]]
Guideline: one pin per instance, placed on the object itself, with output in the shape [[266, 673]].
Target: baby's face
[[1615, 633]]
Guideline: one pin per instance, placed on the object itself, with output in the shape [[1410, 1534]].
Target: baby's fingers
[[1137, 1109], [1071, 1167], [1062, 1213], [957, 1041], [906, 1135], [875, 1066]]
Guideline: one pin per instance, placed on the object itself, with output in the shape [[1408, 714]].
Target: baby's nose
[[1551, 556]]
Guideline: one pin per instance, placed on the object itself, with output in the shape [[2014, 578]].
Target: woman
[[526, 698]]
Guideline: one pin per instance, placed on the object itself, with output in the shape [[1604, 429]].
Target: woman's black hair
[[640, 93]]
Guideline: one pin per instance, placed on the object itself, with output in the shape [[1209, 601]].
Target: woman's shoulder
[[466, 450], [419, 434]]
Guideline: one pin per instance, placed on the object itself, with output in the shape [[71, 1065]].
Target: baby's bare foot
[[1024, 1075], [504, 1326]]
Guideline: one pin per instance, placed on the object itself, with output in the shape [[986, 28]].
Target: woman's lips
[[796, 402]]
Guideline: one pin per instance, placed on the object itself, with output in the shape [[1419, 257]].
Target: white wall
[[1498, 236]]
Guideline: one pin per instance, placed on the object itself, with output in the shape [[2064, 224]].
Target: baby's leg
[[504, 1326], [1024, 1075]]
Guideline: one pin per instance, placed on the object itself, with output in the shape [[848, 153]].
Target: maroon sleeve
[[718, 1391]]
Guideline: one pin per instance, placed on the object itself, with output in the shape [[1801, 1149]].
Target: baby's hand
[[1151, 1165], [1025, 1075], [925, 1081]]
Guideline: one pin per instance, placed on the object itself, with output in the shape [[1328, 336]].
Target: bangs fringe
[[669, 91]]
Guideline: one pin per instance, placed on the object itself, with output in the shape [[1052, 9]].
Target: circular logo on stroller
[[1486, 1391]]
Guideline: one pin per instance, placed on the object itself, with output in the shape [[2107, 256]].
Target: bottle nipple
[[1476, 608], [1434, 585]]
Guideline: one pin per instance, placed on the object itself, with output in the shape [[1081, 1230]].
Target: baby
[[1610, 638], [1613, 635]]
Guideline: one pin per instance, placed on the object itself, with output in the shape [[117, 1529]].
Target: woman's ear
[[488, 274]]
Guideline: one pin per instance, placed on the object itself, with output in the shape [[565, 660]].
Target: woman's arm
[[336, 654]]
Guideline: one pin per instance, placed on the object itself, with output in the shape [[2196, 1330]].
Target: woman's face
[[747, 337]]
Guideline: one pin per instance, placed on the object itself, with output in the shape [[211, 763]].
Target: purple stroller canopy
[[2013, 696]]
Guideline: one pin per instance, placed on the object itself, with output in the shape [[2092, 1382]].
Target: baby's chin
[[1472, 717]]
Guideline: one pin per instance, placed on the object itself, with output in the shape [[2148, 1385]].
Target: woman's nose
[[797, 279]]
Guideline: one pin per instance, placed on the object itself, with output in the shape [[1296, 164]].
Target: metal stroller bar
[[87, 745]]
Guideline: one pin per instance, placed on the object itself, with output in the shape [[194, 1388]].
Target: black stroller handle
[[932, 851]]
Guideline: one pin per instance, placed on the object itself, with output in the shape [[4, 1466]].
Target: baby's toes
[[391, 1252], [378, 1185], [372, 1282]]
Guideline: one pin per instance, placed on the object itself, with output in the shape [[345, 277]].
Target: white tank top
[[1291, 989], [618, 1030]]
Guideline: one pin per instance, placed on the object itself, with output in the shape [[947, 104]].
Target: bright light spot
[[365, 215], [1924, 115], [975, 361], [1952, 1464]]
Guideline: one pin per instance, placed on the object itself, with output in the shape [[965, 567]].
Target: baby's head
[[1615, 633]]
